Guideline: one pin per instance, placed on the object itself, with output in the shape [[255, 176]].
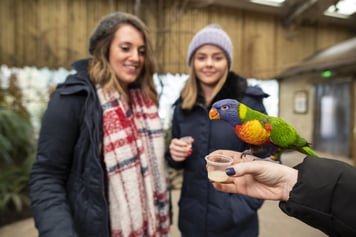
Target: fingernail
[[230, 171]]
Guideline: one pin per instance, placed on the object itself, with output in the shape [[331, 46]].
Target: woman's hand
[[181, 149], [257, 178]]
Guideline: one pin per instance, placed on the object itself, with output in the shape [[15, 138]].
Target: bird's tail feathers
[[308, 151]]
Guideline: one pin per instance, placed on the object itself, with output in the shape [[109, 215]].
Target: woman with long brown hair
[[100, 162]]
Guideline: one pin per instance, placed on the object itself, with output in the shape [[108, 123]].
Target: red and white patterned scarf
[[134, 159]]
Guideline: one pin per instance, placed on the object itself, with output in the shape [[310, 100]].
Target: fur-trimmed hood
[[236, 87]]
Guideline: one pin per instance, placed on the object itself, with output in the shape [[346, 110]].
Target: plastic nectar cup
[[216, 165], [186, 139]]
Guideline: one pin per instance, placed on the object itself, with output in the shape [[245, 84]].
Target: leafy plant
[[14, 186], [16, 137], [17, 146]]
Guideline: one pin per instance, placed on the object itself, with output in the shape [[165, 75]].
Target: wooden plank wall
[[46, 33], [54, 33]]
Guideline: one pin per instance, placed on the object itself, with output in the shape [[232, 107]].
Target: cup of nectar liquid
[[216, 165]]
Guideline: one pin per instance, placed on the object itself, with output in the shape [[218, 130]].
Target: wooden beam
[[298, 12]]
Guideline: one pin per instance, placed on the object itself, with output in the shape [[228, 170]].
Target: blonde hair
[[100, 70], [191, 89]]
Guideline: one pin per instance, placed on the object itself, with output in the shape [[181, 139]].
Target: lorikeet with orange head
[[260, 130]]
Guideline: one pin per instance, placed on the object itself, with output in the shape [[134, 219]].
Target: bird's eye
[[224, 107]]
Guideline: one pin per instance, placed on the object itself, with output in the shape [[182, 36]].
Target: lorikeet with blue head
[[263, 132]]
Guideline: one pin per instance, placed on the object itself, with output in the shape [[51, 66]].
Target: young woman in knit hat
[[204, 211], [100, 163]]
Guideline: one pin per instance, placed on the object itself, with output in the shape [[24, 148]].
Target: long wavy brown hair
[[100, 70]]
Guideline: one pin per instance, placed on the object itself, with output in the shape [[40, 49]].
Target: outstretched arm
[[320, 192]]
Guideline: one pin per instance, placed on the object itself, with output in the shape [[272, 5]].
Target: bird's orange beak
[[213, 114]]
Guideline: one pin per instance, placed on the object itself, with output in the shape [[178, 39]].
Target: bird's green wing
[[284, 135]]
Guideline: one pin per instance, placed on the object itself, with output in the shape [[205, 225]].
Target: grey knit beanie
[[107, 24], [212, 34]]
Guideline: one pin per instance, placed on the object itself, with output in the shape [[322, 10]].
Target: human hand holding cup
[[216, 165], [189, 141], [181, 148]]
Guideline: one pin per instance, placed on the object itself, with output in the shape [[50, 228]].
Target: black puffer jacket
[[324, 196], [67, 181], [203, 211]]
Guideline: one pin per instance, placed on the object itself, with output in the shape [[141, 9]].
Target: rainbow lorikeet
[[261, 131]]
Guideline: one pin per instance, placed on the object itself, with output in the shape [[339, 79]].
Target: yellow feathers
[[242, 111]]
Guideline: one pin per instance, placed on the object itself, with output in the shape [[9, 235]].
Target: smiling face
[[127, 54], [210, 64]]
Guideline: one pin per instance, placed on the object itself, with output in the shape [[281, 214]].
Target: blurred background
[[301, 52]]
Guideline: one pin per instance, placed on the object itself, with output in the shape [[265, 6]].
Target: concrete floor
[[273, 222]]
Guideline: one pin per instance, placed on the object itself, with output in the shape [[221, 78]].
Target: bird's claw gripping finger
[[245, 153]]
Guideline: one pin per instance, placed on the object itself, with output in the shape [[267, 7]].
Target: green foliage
[[167, 137], [17, 148], [16, 137], [14, 186]]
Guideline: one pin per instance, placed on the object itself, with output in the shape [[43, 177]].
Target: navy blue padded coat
[[67, 184], [324, 196], [204, 211]]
